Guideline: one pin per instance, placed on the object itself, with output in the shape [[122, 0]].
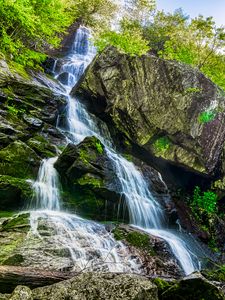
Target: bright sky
[[215, 8]]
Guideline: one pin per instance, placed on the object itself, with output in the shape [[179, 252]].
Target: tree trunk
[[11, 276]]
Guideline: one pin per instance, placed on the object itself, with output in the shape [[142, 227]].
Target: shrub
[[204, 202], [206, 116]]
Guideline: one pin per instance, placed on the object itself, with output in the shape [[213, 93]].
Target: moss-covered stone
[[86, 175], [134, 238], [14, 260], [194, 287], [147, 97], [19, 222], [19, 160], [14, 192], [41, 146], [217, 274]]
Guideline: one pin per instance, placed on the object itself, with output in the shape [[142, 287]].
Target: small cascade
[[145, 212], [91, 247], [47, 186], [88, 242]]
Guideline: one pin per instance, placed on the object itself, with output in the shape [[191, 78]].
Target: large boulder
[[86, 173], [90, 286], [169, 108], [193, 287], [155, 254]]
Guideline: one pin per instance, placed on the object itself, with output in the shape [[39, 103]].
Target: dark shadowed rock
[[86, 172]]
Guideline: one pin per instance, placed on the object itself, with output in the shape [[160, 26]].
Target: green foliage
[[96, 14], [25, 28], [206, 116], [99, 147], [218, 274], [204, 202], [29, 27], [134, 238], [162, 144], [128, 41], [192, 90], [197, 42]]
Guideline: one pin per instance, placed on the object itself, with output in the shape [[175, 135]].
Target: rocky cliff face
[[28, 113], [169, 108]]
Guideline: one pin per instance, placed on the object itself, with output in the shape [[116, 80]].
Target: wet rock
[[64, 78], [86, 172], [155, 254], [158, 105], [34, 122], [99, 286]]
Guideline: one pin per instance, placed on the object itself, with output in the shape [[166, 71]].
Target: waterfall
[[144, 210], [47, 186]]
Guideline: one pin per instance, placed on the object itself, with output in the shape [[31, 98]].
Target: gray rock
[[157, 104], [21, 293], [92, 286]]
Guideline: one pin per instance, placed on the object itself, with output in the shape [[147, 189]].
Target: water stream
[[88, 242]]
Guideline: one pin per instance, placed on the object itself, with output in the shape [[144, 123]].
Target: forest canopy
[[29, 27]]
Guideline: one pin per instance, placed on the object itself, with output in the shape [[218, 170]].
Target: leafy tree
[[197, 42], [128, 40], [94, 13], [29, 27]]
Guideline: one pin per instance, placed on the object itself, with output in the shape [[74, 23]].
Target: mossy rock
[[13, 234], [14, 260], [19, 160], [14, 192], [20, 222], [134, 238], [41, 146], [217, 274], [194, 287]]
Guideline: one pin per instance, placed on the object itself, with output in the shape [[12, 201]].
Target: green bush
[[206, 116], [162, 144], [204, 202], [130, 42]]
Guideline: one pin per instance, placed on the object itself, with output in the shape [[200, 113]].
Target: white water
[[144, 211], [47, 186]]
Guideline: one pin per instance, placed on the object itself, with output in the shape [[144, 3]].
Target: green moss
[[14, 260], [18, 160], [99, 147], [217, 274], [134, 238], [89, 179], [83, 154], [162, 285], [41, 146], [9, 247], [6, 214], [128, 157], [192, 90], [19, 222], [206, 116], [162, 144]]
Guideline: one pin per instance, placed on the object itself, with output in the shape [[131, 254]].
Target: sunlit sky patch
[[215, 8]]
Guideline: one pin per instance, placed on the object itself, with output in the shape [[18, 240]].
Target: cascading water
[[145, 212]]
